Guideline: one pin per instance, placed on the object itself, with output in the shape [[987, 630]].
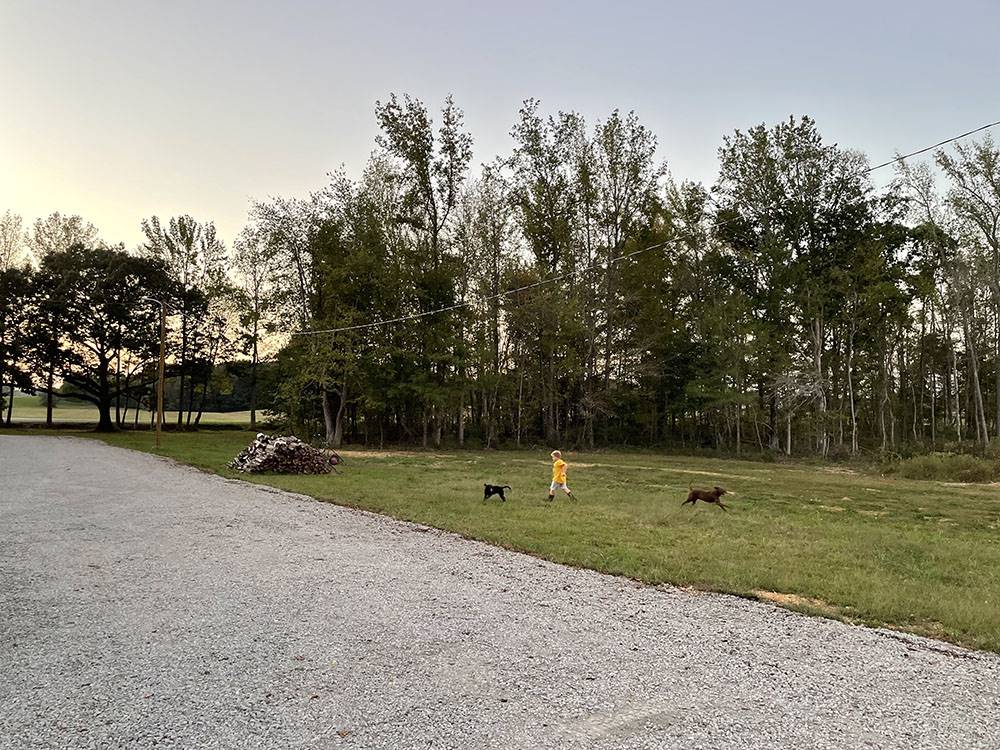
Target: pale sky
[[120, 110]]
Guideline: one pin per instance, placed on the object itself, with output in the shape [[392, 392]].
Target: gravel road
[[144, 604]]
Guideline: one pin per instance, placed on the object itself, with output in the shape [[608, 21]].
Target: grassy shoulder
[[915, 555]]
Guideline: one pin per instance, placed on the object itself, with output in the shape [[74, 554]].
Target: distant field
[[917, 555], [29, 409]]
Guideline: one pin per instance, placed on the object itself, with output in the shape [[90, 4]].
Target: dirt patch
[[400, 454], [831, 508], [794, 600], [377, 454], [707, 473]]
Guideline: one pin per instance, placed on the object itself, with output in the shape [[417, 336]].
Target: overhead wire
[[931, 148], [506, 293], [595, 266]]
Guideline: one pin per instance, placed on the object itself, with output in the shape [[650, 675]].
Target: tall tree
[[255, 263], [432, 166], [974, 174], [57, 233], [12, 240], [195, 258]]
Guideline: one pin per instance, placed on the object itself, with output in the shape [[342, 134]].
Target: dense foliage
[[790, 307]]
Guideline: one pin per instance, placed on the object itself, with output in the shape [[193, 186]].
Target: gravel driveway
[[144, 604]]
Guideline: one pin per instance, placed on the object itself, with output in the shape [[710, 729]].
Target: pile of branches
[[284, 455]]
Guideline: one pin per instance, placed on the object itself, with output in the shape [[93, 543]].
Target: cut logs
[[284, 455]]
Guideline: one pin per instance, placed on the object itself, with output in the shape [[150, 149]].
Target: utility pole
[[160, 368]]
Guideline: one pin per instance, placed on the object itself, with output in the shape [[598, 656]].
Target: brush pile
[[284, 455]]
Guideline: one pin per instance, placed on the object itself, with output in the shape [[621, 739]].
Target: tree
[[195, 258], [543, 192], [12, 240], [15, 331], [789, 204], [255, 265], [103, 305], [57, 233], [432, 168], [51, 320], [974, 196], [485, 230]]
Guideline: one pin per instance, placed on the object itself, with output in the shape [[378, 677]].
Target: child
[[558, 476]]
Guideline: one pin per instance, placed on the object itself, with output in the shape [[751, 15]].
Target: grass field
[[31, 409], [916, 555]]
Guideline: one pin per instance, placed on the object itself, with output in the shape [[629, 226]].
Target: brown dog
[[713, 495]]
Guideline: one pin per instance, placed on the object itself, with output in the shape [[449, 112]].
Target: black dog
[[489, 490], [713, 496]]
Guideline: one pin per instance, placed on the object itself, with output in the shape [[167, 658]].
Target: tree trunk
[[981, 430], [183, 366], [201, 404], [124, 389], [850, 390], [426, 427], [329, 418], [739, 435], [953, 384], [253, 380], [190, 409], [774, 439], [118, 389], [49, 397], [882, 402], [996, 353], [520, 402], [105, 424], [822, 437], [338, 428]]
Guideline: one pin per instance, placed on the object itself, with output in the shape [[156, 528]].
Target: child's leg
[[552, 491], [569, 492]]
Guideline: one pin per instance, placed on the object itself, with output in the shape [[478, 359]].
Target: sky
[[118, 111]]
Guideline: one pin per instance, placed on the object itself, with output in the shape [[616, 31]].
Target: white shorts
[[558, 486]]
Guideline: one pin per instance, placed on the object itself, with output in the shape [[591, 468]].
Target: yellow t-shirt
[[559, 471]]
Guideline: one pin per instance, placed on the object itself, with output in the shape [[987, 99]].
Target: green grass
[[31, 409], [916, 555]]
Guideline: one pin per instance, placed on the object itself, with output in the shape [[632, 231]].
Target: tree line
[[791, 306]]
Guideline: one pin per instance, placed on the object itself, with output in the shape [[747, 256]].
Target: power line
[[507, 293], [611, 261], [930, 148]]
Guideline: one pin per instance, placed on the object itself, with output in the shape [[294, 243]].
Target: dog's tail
[[506, 486]]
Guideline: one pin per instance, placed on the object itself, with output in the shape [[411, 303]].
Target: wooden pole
[[159, 381]]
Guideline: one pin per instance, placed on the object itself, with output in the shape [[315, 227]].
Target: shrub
[[949, 467]]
